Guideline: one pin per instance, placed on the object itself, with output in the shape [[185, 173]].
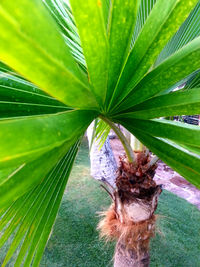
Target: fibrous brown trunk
[[131, 219]]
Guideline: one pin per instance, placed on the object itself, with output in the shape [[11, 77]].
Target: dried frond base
[[129, 232]]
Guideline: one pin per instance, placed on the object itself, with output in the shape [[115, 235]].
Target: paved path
[[170, 179]]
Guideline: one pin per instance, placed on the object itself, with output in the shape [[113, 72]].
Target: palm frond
[[61, 11], [172, 70], [188, 31], [36, 212], [19, 97], [66, 63], [94, 42], [102, 131], [49, 59], [162, 23], [145, 9], [176, 103], [40, 134]]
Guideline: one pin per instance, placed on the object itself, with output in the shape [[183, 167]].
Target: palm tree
[[63, 65]]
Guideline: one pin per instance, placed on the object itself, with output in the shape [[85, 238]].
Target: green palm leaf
[[178, 66], [94, 43], [188, 31], [175, 131], [14, 183], [40, 134], [120, 30], [193, 81], [42, 55], [62, 14], [164, 20], [145, 9], [181, 102], [19, 97], [36, 211]]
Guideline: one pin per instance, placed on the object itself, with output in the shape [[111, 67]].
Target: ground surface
[[170, 179], [75, 241]]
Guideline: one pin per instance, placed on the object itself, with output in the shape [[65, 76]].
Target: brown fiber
[[112, 229]]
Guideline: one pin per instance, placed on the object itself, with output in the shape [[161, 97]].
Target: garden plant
[[62, 65]]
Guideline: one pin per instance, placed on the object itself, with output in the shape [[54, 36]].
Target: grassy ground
[[75, 242]]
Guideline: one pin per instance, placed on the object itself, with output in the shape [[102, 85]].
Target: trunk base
[[129, 257]]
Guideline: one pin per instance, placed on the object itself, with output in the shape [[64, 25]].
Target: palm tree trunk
[[103, 165], [130, 219], [131, 257]]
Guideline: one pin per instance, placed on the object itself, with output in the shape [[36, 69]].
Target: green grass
[[75, 242]]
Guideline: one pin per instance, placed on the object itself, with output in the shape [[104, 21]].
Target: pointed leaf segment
[[89, 18], [39, 53]]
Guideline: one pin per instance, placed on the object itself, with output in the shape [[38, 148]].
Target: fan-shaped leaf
[[145, 9], [21, 98], [176, 131], [61, 12], [24, 177]]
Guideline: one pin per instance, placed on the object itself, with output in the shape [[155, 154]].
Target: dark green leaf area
[[15, 89], [14, 110], [8, 80], [194, 149], [19, 97]]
